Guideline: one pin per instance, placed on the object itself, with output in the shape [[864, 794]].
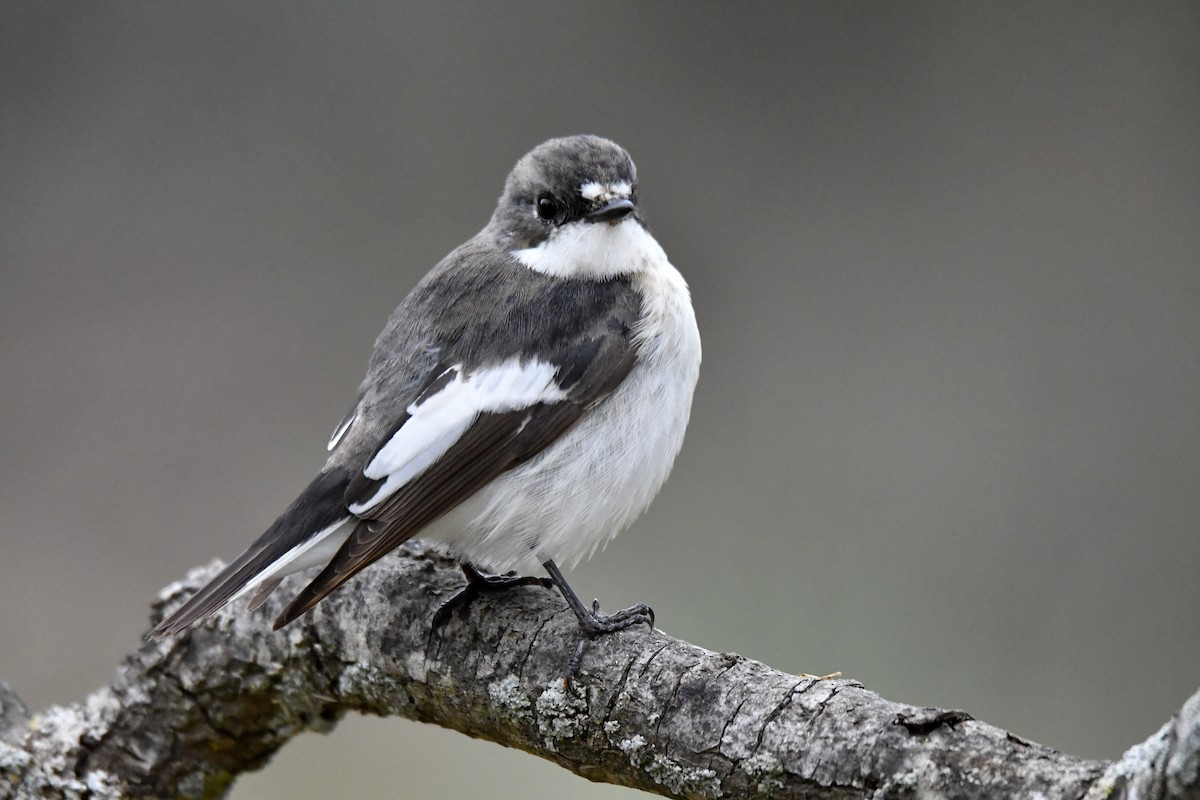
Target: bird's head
[[569, 208]]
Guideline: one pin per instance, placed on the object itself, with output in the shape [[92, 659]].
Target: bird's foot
[[477, 584], [592, 623], [595, 624]]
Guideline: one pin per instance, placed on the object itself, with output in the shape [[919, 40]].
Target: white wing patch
[[341, 429], [438, 421]]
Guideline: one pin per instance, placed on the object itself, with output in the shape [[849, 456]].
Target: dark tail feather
[[263, 593], [213, 595], [330, 578], [318, 506]]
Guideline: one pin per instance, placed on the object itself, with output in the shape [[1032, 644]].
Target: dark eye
[[546, 207]]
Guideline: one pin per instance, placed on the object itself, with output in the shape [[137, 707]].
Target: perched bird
[[523, 404]]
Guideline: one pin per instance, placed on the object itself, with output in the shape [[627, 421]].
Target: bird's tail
[[307, 534]]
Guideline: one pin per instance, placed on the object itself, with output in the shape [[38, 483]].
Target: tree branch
[[185, 716]]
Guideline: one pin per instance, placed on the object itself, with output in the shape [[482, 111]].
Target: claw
[[477, 584], [573, 667], [459, 599], [593, 623]]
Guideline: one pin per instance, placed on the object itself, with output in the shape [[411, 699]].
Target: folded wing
[[463, 431]]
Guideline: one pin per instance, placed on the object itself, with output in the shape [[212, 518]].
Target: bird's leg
[[591, 622], [477, 584]]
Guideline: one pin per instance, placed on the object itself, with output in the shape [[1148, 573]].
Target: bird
[[523, 404]]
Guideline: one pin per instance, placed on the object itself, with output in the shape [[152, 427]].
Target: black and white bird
[[523, 404]]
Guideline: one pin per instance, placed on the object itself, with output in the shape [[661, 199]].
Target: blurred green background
[[945, 259]]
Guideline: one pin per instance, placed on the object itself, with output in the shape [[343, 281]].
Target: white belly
[[602, 474]]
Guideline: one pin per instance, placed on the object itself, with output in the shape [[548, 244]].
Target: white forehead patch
[[594, 191]]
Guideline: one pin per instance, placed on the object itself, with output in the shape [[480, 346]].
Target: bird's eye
[[547, 209]]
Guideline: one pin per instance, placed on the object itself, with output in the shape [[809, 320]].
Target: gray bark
[[184, 717]]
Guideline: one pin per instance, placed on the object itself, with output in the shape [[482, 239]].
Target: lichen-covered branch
[[184, 717]]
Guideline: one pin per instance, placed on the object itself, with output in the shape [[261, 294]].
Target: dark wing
[[472, 429]]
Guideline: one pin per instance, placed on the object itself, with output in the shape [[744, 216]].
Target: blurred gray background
[[945, 259]]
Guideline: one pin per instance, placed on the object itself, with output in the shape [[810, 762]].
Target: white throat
[[596, 250]]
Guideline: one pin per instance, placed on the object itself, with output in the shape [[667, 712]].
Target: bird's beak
[[612, 211]]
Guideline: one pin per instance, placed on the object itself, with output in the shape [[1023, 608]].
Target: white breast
[[602, 474]]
